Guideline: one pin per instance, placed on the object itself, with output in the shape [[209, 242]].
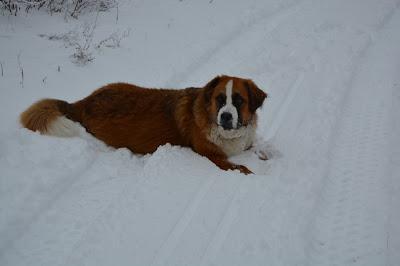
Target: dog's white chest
[[232, 142]]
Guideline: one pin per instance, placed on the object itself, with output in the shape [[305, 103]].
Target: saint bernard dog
[[217, 121]]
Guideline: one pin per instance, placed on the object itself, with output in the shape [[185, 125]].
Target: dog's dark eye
[[237, 100], [221, 100]]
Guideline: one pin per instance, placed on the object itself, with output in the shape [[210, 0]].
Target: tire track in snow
[[272, 22], [67, 198], [284, 107], [393, 240], [176, 233], [115, 201], [225, 223], [57, 191], [349, 227]]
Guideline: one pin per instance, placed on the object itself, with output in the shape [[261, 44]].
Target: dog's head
[[232, 102]]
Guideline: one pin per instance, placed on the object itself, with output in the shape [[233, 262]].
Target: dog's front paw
[[243, 169]]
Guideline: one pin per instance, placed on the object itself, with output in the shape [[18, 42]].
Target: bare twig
[[82, 40], [114, 40], [387, 240], [32, 2], [89, 37], [117, 7], [82, 53], [21, 69]]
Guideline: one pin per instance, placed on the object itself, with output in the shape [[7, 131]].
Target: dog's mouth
[[229, 126], [231, 133]]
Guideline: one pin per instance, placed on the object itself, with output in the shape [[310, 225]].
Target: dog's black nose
[[225, 116], [226, 120]]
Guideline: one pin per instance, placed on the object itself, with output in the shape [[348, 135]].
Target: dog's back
[[120, 114]]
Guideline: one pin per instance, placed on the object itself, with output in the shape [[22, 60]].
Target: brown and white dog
[[216, 121]]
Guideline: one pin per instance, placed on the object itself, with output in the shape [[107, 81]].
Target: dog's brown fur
[[125, 115]]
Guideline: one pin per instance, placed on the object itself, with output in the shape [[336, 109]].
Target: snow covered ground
[[329, 195]]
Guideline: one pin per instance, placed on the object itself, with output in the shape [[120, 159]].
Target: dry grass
[[70, 8]]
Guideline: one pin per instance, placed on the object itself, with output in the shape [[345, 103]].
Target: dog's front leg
[[219, 158], [224, 164]]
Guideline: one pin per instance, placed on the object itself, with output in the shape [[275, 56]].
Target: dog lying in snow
[[217, 121]]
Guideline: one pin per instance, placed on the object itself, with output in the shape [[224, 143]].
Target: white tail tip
[[63, 127]]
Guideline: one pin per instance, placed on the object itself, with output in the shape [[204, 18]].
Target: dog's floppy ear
[[208, 89], [256, 96]]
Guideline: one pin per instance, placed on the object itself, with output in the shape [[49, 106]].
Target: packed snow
[[328, 195]]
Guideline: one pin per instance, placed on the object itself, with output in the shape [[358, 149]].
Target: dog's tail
[[51, 117]]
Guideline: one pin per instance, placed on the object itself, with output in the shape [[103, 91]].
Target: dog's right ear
[[209, 88]]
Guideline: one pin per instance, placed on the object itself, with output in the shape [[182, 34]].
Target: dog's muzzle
[[226, 121]]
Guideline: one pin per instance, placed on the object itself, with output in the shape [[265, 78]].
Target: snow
[[329, 194]]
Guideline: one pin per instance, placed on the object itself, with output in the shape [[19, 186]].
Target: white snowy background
[[329, 195]]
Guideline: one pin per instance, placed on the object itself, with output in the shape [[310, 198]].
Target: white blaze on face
[[229, 107]]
